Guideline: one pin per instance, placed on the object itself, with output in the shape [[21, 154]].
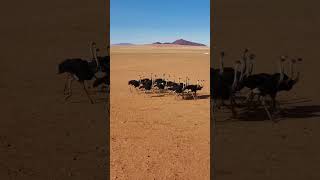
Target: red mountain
[[188, 43], [182, 42]]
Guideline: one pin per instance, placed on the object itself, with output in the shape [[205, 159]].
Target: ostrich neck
[[281, 72], [221, 65], [291, 70], [242, 71], [251, 68], [244, 65], [95, 56], [244, 58], [91, 51], [235, 76]]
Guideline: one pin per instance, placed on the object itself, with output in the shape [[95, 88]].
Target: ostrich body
[[78, 69], [134, 83]]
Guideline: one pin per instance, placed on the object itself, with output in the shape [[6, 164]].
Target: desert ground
[[41, 136], [154, 136], [254, 147]]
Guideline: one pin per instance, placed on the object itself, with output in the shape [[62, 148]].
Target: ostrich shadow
[[86, 101], [206, 96], [158, 95], [286, 113]]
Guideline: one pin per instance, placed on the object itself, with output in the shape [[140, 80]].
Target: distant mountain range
[[182, 42], [177, 42]]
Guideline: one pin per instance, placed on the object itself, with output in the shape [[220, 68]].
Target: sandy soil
[[153, 136], [41, 137], [255, 148]]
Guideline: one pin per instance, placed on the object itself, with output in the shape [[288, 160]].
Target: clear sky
[[148, 21]]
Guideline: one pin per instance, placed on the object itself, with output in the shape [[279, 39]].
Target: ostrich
[[193, 88], [160, 83], [177, 88], [77, 69], [222, 89], [276, 83], [146, 83], [134, 83], [83, 70], [255, 80], [228, 73]]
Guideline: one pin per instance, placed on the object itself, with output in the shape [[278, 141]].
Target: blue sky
[[148, 21]]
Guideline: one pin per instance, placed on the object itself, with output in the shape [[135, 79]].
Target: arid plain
[[155, 136]]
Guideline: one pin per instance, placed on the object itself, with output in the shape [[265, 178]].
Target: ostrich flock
[[97, 69], [165, 85], [227, 82]]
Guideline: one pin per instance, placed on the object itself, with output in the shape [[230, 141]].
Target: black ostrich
[[134, 83], [228, 73], [77, 69], [193, 88], [276, 83], [255, 80], [160, 84], [221, 88], [83, 70], [177, 88], [147, 85]]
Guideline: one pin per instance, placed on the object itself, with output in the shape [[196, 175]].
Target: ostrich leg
[[266, 109], [234, 112], [85, 89], [69, 89], [66, 84]]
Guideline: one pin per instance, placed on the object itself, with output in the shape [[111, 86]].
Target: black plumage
[[134, 83]]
